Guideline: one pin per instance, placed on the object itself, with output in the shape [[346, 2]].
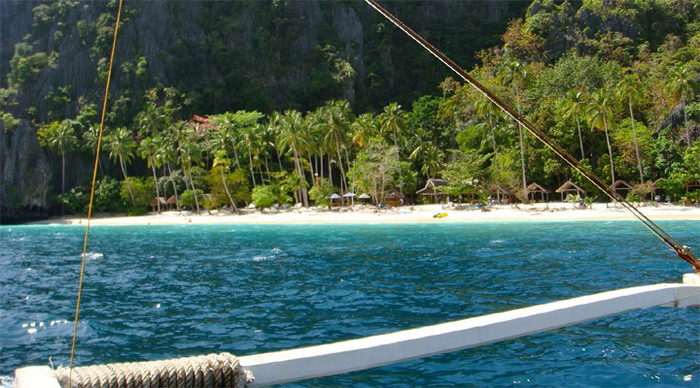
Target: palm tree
[[190, 154], [393, 119], [250, 137], [515, 73], [432, 160], [168, 152], [363, 128], [226, 124], [290, 137], [488, 110], [148, 151], [121, 146], [682, 85], [629, 89], [222, 161], [335, 116], [60, 136], [600, 112], [573, 105]]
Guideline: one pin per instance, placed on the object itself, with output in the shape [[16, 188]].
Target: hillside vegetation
[[289, 102]]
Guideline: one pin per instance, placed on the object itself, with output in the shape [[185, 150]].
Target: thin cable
[[682, 251], [92, 194]]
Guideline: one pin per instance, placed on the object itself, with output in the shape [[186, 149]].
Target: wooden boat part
[[341, 357], [369, 352]]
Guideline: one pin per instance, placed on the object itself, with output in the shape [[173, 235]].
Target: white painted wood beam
[[369, 352]]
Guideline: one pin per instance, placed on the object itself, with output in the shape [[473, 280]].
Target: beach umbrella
[[364, 196], [335, 196]]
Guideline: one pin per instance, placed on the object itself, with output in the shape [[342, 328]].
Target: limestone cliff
[[222, 56]]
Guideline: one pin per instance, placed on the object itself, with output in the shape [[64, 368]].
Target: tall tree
[[682, 85], [290, 137], [600, 116], [148, 150], [629, 89], [392, 119], [122, 146], [488, 110], [515, 74], [221, 161], [336, 125], [61, 137], [228, 128], [573, 105]]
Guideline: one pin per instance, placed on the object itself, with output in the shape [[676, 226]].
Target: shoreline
[[548, 212]]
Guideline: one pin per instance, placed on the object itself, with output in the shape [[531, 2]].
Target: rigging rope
[[213, 370], [681, 250], [92, 193]]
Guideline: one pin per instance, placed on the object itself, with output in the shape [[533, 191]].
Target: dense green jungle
[[224, 104]]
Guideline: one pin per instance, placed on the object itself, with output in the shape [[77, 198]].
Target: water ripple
[[161, 292]]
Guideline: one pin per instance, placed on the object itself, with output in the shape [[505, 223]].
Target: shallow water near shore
[[155, 292]]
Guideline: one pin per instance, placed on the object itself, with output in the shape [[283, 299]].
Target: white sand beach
[[552, 211]]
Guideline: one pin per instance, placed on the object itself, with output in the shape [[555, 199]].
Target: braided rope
[[213, 370]]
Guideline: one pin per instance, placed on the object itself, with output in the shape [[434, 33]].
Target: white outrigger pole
[[378, 350]]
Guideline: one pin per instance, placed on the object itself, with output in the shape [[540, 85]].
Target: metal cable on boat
[[213, 370], [92, 191], [681, 250]]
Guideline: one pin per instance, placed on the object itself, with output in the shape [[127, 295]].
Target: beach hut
[[350, 195], [570, 188], [533, 189], [621, 187], [503, 195], [172, 202], [158, 201], [432, 189], [335, 199]]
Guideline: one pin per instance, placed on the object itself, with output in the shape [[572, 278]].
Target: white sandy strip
[[553, 211]]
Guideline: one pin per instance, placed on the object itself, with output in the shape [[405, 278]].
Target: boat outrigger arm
[[369, 352]]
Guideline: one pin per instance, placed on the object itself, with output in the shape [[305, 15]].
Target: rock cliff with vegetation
[[274, 93]]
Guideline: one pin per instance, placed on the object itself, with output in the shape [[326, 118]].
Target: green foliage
[[76, 199], [321, 193], [26, 66], [8, 121], [143, 191], [263, 197], [107, 196], [237, 183], [57, 100], [465, 173], [187, 198]]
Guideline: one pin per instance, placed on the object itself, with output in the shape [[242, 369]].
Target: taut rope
[[681, 250], [92, 193]]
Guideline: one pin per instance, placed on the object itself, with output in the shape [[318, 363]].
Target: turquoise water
[[154, 292]]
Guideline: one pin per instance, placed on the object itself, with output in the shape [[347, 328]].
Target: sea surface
[[156, 292]]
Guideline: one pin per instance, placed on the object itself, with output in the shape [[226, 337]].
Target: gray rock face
[[25, 175], [262, 55]]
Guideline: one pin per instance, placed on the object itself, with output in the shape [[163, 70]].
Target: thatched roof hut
[[570, 188], [534, 189], [158, 201], [432, 190], [503, 195], [621, 187]]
